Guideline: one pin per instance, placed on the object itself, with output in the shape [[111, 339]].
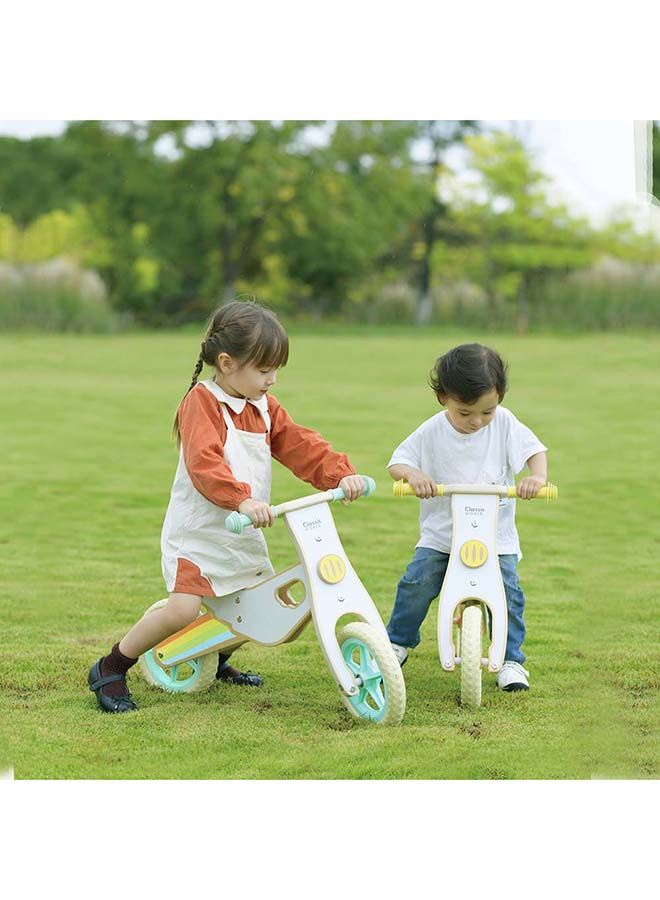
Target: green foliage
[[9, 238], [36, 176], [359, 195], [505, 233], [608, 298], [222, 206], [334, 219], [656, 159], [622, 240], [57, 234]]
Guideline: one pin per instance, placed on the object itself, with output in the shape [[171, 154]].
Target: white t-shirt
[[492, 455]]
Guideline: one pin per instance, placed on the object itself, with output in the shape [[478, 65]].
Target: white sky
[[590, 162]]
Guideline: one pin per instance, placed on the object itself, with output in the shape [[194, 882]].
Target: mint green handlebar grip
[[369, 486], [236, 522]]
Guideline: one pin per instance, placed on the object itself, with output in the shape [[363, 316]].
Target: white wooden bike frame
[[477, 580], [269, 614], [473, 573]]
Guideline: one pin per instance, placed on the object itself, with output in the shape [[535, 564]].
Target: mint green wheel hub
[[370, 702], [178, 678]]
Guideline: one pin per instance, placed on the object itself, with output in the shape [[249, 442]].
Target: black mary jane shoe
[[244, 678], [108, 704]]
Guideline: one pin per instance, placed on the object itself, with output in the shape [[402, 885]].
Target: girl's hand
[[423, 486], [530, 486], [259, 512], [352, 486]]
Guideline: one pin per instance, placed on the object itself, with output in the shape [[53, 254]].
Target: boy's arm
[[399, 471], [423, 486], [538, 466], [409, 452]]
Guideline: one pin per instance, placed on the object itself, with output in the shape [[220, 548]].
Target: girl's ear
[[225, 363]]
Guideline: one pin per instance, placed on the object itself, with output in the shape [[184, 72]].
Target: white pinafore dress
[[194, 528]]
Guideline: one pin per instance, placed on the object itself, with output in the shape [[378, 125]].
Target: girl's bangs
[[271, 349]]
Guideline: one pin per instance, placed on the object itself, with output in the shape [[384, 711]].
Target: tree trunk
[[491, 299], [523, 306], [424, 310]]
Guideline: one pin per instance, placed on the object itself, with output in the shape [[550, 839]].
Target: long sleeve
[[203, 434], [304, 451]]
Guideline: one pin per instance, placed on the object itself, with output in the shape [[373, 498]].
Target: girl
[[475, 440], [228, 427]]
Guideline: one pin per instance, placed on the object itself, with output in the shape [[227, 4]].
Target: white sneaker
[[512, 677], [401, 653]]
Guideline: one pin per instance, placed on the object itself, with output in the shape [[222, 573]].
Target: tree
[[356, 196], [507, 234], [655, 157], [217, 218], [119, 181], [188, 213], [35, 176], [438, 136]]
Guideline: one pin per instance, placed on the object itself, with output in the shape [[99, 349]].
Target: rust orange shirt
[[203, 433]]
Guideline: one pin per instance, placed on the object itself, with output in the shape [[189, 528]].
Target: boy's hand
[[530, 486], [259, 512], [423, 486], [352, 486]]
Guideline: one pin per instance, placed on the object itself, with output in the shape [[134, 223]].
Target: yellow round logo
[[474, 554], [331, 568]]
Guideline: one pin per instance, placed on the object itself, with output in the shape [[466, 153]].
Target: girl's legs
[[227, 672], [154, 626]]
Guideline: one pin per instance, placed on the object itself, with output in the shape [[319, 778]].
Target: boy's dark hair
[[468, 371], [248, 332]]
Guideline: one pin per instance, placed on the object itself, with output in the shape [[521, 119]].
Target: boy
[[475, 440]]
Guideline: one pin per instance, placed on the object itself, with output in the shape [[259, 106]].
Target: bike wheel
[[381, 697], [189, 677], [471, 657]]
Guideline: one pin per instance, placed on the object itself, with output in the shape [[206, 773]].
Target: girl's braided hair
[[249, 333]]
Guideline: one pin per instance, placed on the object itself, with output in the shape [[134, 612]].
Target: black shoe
[[233, 676], [108, 704]]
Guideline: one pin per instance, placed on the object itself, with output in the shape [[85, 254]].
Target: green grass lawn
[[87, 464]]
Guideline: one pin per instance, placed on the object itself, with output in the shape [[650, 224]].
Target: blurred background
[[525, 225]]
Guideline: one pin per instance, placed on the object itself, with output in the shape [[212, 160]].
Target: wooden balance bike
[[360, 657], [472, 592]]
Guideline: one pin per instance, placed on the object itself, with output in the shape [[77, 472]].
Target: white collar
[[235, 403]]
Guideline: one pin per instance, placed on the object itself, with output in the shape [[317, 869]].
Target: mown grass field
[[86, 468]]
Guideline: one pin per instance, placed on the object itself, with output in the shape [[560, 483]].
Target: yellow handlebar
[[547, 492]]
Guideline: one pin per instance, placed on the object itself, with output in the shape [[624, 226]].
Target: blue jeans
[[420, 585]]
